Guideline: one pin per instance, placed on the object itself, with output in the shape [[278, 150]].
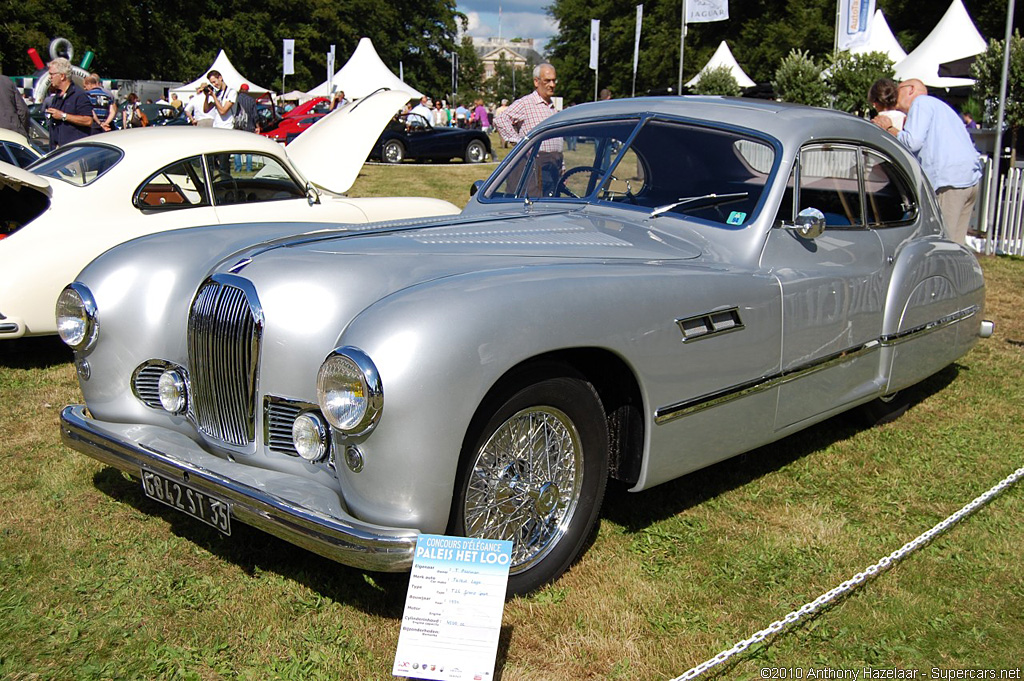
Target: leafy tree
[[471, 73], [717, 81], [798, 79], [850, 76], [987, 70]]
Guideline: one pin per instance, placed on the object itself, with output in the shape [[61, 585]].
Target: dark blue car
[[412, 136]]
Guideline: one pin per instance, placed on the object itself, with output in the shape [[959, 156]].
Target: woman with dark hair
[[882, 95]]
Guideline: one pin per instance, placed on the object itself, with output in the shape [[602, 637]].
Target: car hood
[[18, 178], [331, 152]]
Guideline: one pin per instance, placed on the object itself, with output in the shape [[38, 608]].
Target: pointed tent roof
[[723, 57], [363, 73], [955, 37], [881, 40], [232, 77]]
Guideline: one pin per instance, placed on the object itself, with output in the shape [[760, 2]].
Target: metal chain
[[855, 581]]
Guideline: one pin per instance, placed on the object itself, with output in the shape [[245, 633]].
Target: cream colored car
[[95, 193]]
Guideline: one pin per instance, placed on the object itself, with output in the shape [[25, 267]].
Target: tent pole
[[682, 40]]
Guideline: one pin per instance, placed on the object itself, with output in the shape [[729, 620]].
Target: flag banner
[[330, 68], [706, 10], [854, 23], [595, 32], [289, 56], [636, 42]]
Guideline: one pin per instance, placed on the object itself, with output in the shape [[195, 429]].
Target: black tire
[[884, 409], [476, 152], [554, 507], [393, 152]]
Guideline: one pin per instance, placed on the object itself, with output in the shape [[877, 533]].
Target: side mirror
[[810, 224], [475, 187], [312, 195]]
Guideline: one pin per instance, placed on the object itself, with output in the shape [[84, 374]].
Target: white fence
[[1005, 234]]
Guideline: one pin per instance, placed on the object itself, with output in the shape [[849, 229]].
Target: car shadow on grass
[[38, 352], [637, 511]]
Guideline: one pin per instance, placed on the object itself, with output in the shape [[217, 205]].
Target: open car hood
[[16, 178], [331, 152]]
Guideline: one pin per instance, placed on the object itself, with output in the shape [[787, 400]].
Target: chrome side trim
[[8, 328], [902, 336], [672, 412], [346, 540]]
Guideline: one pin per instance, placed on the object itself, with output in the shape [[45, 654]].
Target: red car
[[298, 119]]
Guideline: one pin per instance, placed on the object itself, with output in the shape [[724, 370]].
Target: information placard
[[453, 609]]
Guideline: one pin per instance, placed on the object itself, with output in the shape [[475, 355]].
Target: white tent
[[955, 37], [882, 40], [232, 77], [723, 57], [363, 73]]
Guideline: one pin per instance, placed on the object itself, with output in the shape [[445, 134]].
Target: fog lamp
[[173, 394], [310, 436]]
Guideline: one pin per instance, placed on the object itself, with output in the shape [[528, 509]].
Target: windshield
[[78, 165], [665, 168]]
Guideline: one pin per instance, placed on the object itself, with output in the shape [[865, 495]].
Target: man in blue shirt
[[937, 137], [70, 111]]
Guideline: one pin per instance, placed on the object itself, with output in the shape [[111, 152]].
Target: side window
[[829, 182], [22, 156], [179, 185], [242, 177], [888, 196]]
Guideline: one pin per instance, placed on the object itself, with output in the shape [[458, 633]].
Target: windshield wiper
[[718, 198]]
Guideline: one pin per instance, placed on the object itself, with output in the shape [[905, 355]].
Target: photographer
[[220, 101], [194, 108]]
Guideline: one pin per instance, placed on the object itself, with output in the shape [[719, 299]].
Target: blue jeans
[[248, 163]]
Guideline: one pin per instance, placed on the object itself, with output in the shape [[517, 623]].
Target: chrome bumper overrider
[[257, 497]]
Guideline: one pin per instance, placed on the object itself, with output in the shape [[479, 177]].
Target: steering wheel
[[561, 188]]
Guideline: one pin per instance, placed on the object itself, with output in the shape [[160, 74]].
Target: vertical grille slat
[[224, 340]]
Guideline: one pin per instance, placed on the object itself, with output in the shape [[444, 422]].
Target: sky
[[519, 19]]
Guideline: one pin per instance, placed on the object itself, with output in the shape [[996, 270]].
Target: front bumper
[[299, 511]]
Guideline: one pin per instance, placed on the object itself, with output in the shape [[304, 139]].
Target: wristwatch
[[65, 115]]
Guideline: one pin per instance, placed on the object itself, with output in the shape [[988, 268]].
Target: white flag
[[854, 23], [289, 56], [636, 42], [706, 10], [595, 32], [330, 69]]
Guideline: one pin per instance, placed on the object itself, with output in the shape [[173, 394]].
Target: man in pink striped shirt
[[526, 113]]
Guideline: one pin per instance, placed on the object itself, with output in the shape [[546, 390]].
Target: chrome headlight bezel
[[349, 391], [172, 389], [77, 317]]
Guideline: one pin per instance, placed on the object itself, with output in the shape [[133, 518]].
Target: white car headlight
[[349, 391], [172, 391], [77, 322], [310, 436]]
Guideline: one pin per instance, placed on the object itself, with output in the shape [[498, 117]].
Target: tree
[[798, 79], [717, 81], [987, 70], [850, 76]]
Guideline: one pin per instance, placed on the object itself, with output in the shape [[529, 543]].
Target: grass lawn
[[99, 582]]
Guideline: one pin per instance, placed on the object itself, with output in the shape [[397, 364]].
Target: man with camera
[[194, 108], [220, 101]]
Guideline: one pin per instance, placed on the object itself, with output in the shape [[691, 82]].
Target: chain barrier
[[855, 581]]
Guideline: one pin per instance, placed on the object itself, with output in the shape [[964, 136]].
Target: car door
[[833, 288]]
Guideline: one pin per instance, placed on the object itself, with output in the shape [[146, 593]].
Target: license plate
[[213, 512]]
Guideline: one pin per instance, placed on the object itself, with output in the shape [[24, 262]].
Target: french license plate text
[[200, 506]]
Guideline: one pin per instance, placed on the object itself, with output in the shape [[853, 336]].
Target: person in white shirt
[[221, 101], [194, 109]]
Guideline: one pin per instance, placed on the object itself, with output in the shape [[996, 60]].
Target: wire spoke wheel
[[526, 483], [534, 469]]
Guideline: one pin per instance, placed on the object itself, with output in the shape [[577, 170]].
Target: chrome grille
[[146, 384], [224, 332], [278, 420]]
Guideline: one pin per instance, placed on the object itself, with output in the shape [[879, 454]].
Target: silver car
[[644, 287]]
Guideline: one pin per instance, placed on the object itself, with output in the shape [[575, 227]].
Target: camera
[[207, 90]]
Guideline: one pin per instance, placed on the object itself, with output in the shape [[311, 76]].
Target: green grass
[[97, 582]]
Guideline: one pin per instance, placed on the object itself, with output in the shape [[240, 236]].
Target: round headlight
[[310, 436], [77, 323], [349, 391], [173, 394]]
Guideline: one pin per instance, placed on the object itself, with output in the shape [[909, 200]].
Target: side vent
[[710, 324]]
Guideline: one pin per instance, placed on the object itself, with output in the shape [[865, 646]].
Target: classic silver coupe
[[642, 288]]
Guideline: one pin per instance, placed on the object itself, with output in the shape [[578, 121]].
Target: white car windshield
[[78, 165], [665, 167]]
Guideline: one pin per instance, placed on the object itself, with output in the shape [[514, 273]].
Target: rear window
[[78, 165]]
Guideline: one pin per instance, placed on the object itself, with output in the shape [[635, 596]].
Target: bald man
[[937, 137]]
